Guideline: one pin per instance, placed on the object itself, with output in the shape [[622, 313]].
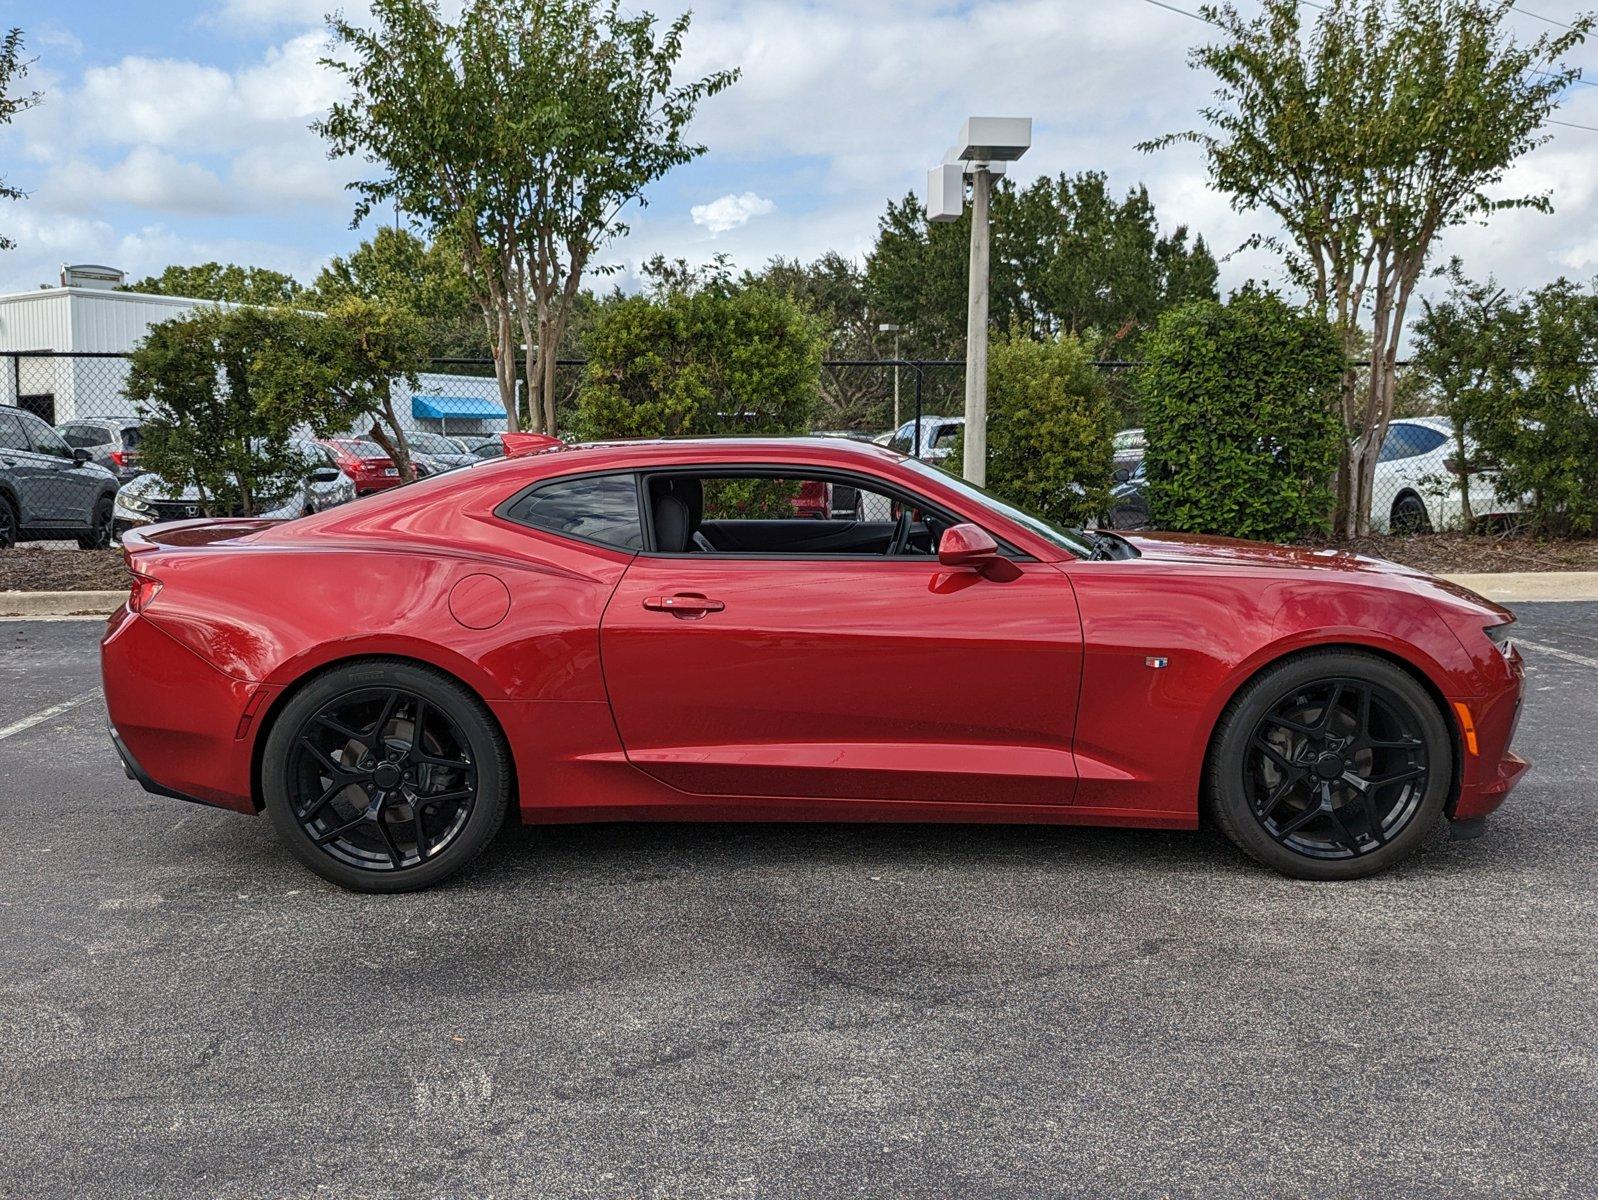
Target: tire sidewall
[[470, 717], [1230, 754]]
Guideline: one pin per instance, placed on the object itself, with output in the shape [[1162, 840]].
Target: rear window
[[599, 508], [130, 437]]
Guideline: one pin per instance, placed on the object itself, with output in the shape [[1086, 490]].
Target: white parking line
[[46, 714], [1558, 653]]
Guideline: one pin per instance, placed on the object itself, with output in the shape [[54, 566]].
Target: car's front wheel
[[385, 776], [1409, 515], [99, 535], [1330, 765], [9, 525]]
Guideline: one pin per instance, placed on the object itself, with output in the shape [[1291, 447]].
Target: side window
[[11, 435], [84, 437], [601, 508], [1406, 441], [44, 439], [1427, 439]]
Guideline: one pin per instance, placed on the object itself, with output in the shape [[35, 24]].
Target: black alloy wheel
[[8, 524], [385, 776], [1409, 515], [1331, 765], [99, 535]]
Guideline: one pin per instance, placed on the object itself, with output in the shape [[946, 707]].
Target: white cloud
[[146, 178], [730, 211]]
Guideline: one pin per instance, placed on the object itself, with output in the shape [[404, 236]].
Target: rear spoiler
[[519, 445]]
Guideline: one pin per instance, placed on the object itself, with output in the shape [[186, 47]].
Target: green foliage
[[336, 371], [521, 131], [225, 282], [1519, 375], [1050, 429], [1067, 257], [1367, 136], [718, 360], [1238, 412], [13, 68], [399, 270], [206, 424]]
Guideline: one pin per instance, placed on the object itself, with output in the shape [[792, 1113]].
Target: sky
[[175, 131]]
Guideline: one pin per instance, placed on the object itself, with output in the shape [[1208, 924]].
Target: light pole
[[985, 145], [886, 327]]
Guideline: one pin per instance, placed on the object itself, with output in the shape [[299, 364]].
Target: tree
[[521, 133], [832, 289], [205, 423], [1050, 429], [1238, 409], [1465, 347], [719, 360], [1388, 123], [398, 269], [228, 283], [13, 69], [335, 371]]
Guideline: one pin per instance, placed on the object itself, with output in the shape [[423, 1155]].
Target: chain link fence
[[70, 443]]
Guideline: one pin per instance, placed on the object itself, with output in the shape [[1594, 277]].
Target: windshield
[[1073, 540], [433, 443]]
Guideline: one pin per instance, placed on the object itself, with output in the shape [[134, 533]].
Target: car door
[[41, 498], [845, 676], [68, 492]]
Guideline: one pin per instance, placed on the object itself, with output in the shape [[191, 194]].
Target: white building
[[62, 348]]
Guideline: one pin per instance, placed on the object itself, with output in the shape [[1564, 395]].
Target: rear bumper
[[177, 722]]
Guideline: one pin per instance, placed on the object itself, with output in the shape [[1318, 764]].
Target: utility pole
[[894, 329], [986, 144], [975, 467]]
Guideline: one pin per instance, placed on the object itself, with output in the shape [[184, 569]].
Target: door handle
[[684, 604]]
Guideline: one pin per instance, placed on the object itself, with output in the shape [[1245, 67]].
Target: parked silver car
[[112, 441], [150, 499]]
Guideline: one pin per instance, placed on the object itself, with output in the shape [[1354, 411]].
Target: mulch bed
[[1457, 554], [35, 569]]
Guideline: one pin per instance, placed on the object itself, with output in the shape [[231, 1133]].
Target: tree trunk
[[393, 441]]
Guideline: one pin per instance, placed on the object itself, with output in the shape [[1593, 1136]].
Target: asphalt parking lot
[[751, 1011]]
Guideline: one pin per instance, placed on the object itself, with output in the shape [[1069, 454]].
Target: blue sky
[[175, 131]]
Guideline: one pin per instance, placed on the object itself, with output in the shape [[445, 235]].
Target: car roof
[[1442, 424], [670, 451]]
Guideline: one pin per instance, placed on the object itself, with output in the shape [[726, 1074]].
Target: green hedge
[[1239, 411]]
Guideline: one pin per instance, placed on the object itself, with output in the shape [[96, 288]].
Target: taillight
[[119, 457], [145, 589]]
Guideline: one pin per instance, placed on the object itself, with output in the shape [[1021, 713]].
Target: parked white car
[[149, 499], [1417, 487], [938, 436]]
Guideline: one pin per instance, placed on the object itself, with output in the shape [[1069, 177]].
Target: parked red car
[[364, 462], [587, 633]]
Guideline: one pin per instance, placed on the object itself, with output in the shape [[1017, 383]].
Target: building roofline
[[113, 294]]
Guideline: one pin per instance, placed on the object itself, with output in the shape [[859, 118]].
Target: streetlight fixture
[[984, 146], [889, 327]]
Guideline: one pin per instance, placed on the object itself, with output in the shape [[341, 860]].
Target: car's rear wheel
[[1409, 515], [385, 777], [9, 525], [99, 535], [1330, 765]]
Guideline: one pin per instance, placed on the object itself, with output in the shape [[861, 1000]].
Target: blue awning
[[439, 408]]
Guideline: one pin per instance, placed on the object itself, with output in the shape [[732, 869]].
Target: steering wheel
[[901, 533]]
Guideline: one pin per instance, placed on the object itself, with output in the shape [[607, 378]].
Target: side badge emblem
[[1156, 664]]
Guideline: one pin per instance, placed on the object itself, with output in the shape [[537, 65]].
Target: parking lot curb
[[59, 604], [1509, 587]]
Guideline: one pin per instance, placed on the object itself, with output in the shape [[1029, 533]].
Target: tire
[[10, 523], [1269, 777], [361, 720], [1409, 515], [99, 535]]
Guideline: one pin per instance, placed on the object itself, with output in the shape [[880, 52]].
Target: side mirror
[[81, 456], [1121, 474], [970, 546], [324, 475]]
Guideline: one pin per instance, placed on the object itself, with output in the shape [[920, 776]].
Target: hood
[[1203, 550]]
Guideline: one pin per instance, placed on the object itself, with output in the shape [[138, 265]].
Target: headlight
[[134, 504], [1498, 635]]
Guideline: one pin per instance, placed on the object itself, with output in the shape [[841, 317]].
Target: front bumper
[[1489, 775]]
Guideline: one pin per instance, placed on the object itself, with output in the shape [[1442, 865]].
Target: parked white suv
[[1417, 484]]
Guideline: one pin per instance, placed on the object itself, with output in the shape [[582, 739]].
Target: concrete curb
[[59, 604], [1509, 587], [1512, 587]]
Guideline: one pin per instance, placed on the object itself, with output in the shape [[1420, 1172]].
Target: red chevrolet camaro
[[650, 631]]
